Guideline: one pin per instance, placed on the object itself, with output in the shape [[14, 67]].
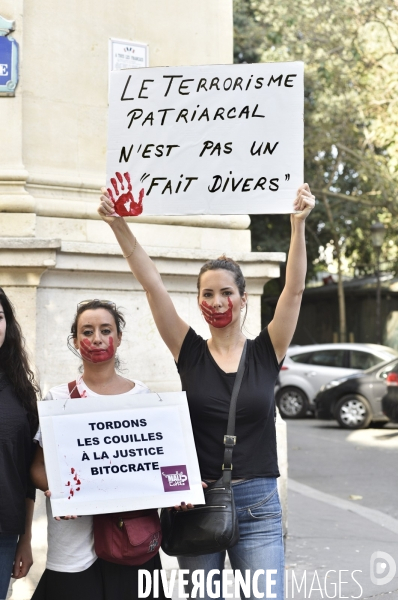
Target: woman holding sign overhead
[[73, 570], [208, 369]]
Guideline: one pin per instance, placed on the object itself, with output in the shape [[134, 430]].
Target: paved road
[[343, 507]]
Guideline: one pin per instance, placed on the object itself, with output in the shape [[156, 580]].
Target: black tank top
[[209, 391]]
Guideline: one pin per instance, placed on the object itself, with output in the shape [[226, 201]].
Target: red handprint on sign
[[125, 205]]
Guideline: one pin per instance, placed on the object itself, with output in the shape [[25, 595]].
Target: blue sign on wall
[[8, 65]]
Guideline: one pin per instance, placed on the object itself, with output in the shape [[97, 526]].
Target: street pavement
[[343, 508]]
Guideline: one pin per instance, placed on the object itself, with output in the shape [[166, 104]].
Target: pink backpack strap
[[73, 391]]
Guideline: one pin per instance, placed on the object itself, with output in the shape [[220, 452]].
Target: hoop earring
[[72, 348]]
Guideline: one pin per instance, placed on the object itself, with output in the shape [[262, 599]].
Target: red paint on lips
[[215, 318], [95, 354]]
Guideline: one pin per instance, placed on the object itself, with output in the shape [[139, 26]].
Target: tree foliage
[[350, 50]]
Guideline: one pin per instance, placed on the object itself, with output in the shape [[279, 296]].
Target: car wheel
[[292, 402], [353, 412]]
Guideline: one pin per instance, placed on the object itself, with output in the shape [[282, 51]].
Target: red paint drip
[[96, 354], [215, 318], [77, 481], [125, 204]]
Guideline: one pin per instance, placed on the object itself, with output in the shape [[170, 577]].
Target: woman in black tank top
[[207, 369]]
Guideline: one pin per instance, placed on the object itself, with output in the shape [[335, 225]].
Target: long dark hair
[[15, 364]]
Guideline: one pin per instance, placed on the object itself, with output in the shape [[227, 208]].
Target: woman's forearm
[[171, 327], [142, 267], [283, 325], [296, 267], [38, 473], [29, 518]]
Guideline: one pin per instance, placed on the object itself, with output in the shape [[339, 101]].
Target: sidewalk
[[323, 538]]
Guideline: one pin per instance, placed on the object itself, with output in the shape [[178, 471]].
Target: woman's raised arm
[[171, 327], [283, 325]]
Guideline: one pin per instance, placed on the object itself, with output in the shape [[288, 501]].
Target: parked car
[[389, 402], [355, 401], [307, 368]]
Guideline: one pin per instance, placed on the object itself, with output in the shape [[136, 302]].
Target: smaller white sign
[[125, 54], [109, 454]]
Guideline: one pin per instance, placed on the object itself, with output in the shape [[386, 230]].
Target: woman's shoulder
[[58, 392], [264, 349], [140, 388], [191, 349]]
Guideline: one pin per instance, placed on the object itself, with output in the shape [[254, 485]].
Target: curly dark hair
[[93, 305], [15, 364]]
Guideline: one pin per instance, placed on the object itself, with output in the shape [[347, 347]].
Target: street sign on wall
[[125, 54], [8, 59]]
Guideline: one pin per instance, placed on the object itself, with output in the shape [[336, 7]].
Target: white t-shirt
[[71, 543]]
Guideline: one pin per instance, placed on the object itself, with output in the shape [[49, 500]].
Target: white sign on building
[[125, 54], [219, 139], [109, 454]]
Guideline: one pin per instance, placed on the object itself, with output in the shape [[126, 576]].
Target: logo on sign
[[175, 478]]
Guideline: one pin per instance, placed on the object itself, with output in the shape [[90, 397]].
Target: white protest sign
[[109, 454], [219, 139]]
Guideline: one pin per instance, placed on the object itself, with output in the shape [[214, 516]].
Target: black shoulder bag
[[211, 527]]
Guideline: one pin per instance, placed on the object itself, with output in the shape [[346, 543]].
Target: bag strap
[[229, 437], [73, 391]]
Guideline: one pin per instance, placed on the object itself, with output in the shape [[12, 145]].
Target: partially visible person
[[73, 569], [18, 425]]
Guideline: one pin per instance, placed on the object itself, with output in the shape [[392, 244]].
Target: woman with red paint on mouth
[[18, 425], [208, 369], [73, 569]]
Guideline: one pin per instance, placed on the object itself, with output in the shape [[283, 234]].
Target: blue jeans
[[8, 546], [260, 545]]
